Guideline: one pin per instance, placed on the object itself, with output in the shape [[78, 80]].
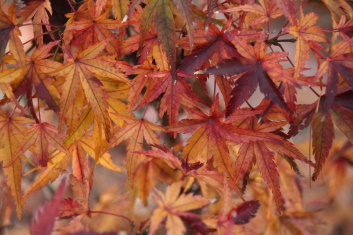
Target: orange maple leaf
[[90, 24], [81, 83], [306, 34], [8, 28], [195, 170], [178, 93], [210, 136], [147, 173], [40, 136], [259, 150], [265, 11], [30, 72], [38, 11], [138, 131]]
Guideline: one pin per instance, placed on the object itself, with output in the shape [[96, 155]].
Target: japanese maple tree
[[211, 161]]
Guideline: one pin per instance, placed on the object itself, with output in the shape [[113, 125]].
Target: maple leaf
[[257, 69], [80, 83], [211, 5], [9, 143], [59, 162], [90, 24], [81, 183], [337, 63], [323, 134], [138, 131], [56, 166], [150, 50], [232, 213], [40, 135], [120, 7], [195, 170], [338, 8], [8, 27], [43, 222], [88, 144], [32, 72], [323, 130], [339, 162], [343, 119], [212, 45], [245, 212], [259, 150], [38, 11], [139, 82], [210, 135], [171, 206], [306, 34], [177, 93], [288, 9], [184, 7], [149, 169], [305, 115], [265, 11], [161, 13]]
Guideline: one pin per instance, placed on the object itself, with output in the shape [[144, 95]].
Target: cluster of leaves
[[99, 72]]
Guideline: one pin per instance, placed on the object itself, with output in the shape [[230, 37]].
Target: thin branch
[[72, 7]]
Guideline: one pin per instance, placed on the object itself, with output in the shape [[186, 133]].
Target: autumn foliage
[[212, 160]]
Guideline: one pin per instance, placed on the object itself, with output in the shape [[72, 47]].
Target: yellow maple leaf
[[8, 147], [172, 206]]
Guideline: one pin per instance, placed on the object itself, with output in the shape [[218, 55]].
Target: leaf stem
[[145, 111], [250, 106], [13, 111], [56, 50], [72, 7], [31, 106], [314, 91]]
